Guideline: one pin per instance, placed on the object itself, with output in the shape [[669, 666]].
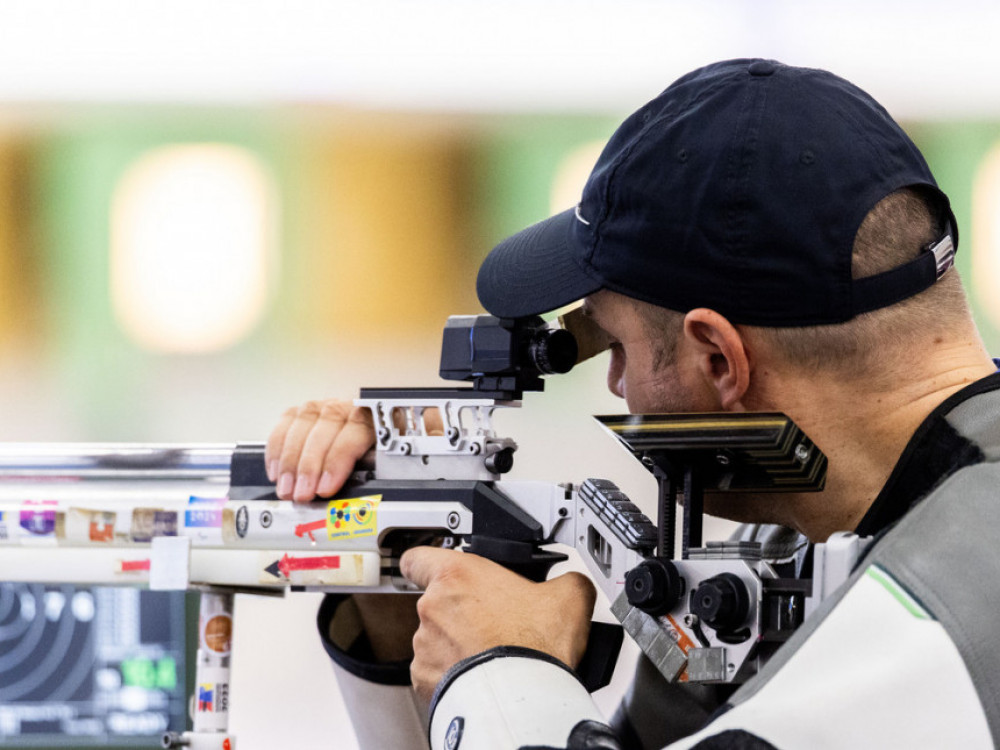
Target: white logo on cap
[[579, 216]]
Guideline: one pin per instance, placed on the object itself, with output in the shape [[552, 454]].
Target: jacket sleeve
[[383, 707], [872, 669]]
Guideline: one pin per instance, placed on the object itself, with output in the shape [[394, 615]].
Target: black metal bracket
[[690, 454]]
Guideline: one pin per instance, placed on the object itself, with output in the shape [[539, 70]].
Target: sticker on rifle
[[83, 525], [150, 522], [217, 633], [206, 698], [102, 526], [352, 518], [242, 521], [204, 512], [213, 698], [36, 519]]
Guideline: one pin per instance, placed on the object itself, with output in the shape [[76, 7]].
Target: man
[[758, 237]]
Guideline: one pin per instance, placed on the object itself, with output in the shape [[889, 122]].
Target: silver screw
[[453, 520], [802, 452]]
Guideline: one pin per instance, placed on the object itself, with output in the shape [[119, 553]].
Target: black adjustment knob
[[500, 462], [721, 602], [654, 586]]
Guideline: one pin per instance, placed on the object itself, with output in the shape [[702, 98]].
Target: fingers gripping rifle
[[206, 517]]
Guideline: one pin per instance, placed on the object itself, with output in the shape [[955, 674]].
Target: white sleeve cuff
[[507, 698]]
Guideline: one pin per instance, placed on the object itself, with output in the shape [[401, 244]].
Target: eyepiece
[[552, 351]]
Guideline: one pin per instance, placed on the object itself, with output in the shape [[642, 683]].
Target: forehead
[[606, 303], [601, 301]]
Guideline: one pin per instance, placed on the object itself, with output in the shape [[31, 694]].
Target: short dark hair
[[892, 233]]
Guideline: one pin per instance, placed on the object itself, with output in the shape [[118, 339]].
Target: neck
[[862, 428]]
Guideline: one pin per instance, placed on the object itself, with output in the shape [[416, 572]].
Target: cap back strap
[[890, 287]]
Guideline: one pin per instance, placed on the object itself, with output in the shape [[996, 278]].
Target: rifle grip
[[598, 663]]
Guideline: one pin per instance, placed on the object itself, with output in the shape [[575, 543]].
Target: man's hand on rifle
[[313, 449], [471, 604]]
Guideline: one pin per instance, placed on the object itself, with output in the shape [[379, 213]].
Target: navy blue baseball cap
[[740, 188]]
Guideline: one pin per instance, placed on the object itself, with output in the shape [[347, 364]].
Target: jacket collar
[[935, 452]]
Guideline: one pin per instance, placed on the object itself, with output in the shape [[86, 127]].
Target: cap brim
[[535, 270]]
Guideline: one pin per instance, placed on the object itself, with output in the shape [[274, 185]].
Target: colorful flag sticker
[[213, 698], [350, 518], [206, 698]]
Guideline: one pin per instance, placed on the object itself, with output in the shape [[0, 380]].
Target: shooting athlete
[[763, 238]]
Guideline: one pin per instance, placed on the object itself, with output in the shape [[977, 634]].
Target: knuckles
[[333, 410], [425, 609], [579, 586], [310, 409], [356, 414]]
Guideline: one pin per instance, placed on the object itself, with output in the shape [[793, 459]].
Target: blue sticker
[[206, 512], [203, 518]]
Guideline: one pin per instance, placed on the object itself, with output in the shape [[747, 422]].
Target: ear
[[720, 355]]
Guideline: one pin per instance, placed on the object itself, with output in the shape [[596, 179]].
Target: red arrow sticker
[[308, 528], [286, 565]]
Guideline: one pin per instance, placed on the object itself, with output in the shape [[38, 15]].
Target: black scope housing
[[506, 355]]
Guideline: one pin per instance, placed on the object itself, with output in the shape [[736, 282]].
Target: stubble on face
[[643, 368]]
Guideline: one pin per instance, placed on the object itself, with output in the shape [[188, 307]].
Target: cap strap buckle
[[944, 254], [890, 287]]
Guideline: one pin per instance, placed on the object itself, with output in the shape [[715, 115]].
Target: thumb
[[421, 565]]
